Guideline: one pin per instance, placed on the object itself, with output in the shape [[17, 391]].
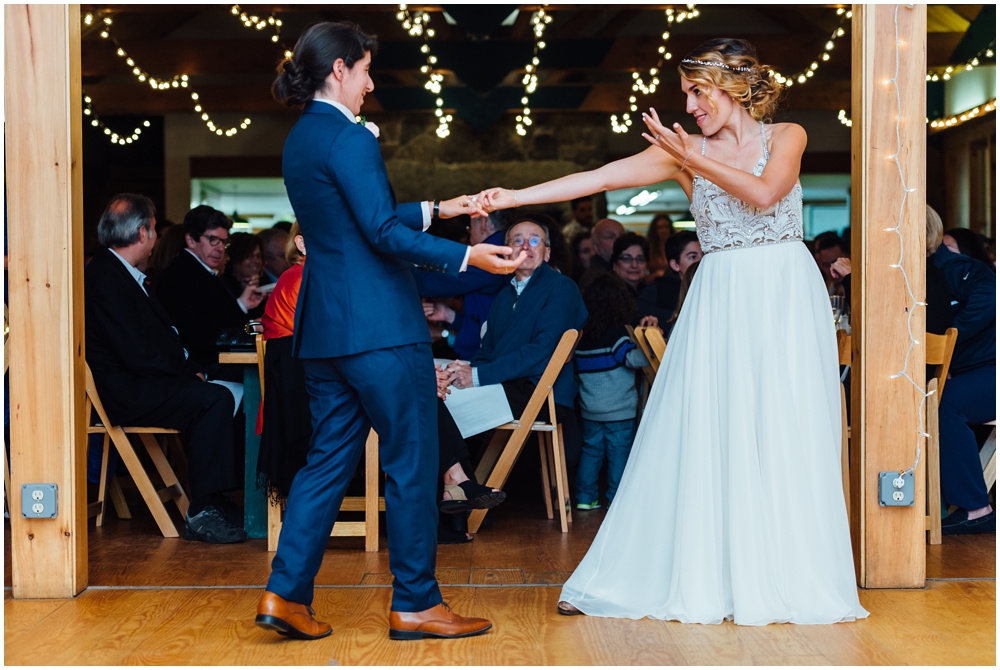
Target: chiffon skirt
[[731, 505]]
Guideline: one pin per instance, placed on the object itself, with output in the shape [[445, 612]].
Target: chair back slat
[[843, 347], [939, 350], [656, 344], [261, 349], [559, 358], [95, 401], [638, 336]]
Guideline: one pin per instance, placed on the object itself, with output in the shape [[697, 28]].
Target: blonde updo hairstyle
[[756, 90]]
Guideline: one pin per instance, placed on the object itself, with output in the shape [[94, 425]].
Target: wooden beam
[[45, 224], [888, 541]]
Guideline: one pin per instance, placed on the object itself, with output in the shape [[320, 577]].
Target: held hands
[[675, 141], [459, 374], [442, 382], [493, 199], [484, 257], [463, 204]]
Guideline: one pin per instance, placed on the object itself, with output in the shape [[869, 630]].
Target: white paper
[[477, 409], [234, 388]]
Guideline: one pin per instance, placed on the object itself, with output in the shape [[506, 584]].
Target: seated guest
[[275, 241], [971, 393], [581, 249], [660, 230], [142, 372], [659, 299], [526, 322], [629, 256], [827, 248], [605, 363], [192, 293], [477, 287], [245, 267], [681, 296], [168, 245], [604, 234], [964, 241], [583, 217]]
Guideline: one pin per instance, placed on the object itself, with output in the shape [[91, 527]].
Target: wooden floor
[[159, 601]]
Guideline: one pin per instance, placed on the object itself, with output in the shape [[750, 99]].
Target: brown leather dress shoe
[[438, 621], [290, 619]]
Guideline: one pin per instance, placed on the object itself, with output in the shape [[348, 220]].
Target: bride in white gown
[[731, 506]]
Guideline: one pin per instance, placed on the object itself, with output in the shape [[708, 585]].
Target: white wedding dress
[[731, 506]]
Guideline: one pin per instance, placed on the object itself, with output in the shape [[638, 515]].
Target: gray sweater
[[605, 369]]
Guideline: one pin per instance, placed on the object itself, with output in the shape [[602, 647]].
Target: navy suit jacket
[[357, 291]]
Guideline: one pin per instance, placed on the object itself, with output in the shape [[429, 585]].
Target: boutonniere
[[362, 121]]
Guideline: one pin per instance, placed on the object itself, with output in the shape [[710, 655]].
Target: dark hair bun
[[320, 46]]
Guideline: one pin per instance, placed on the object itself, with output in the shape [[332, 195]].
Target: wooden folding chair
[[639, 337], [371, 503], [844, 355], [988, 457], [3, 446], [118, 435], [657, 345], [939, 350], [499, 457]]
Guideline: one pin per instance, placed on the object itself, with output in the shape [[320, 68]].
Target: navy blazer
[[523, 332], [357, 292]]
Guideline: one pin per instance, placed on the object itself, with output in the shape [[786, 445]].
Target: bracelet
[[686, 158], [437, 209]]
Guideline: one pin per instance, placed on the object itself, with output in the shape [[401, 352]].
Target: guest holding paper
[[526, 322]]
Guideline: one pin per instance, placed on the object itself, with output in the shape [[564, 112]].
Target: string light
[[113, 137], [968, 115], [177, 81], [911, 310], [842, 117], [418, 25], [807, 73], [946, 72], [638, 84], [539, 20], [257, 23]]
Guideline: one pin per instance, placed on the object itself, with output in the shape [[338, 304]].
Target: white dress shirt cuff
[[425, 208], [242, 306], [475, 377], [465, 262]]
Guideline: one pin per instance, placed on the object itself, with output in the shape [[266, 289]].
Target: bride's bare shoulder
[[789, 130]]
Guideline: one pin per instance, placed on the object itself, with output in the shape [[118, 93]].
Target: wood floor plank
[[21, 614]]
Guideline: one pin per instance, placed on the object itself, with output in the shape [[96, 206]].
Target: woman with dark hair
[[361, 336], [964, 241], [660, 230], [629, 258], [245, 266], [581, 248], [748, 389]]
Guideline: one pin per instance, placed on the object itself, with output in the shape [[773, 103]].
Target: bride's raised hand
[[675, 141]]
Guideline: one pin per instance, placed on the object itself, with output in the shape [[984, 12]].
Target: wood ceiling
[[587, 66]]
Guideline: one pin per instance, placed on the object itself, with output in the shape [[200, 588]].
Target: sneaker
[[984, 524], [594, 505], [211, 525]]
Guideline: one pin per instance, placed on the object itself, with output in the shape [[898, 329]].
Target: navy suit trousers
[[395, 391], [971, 399]]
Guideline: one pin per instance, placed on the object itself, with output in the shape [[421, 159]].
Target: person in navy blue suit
[[363, 340]]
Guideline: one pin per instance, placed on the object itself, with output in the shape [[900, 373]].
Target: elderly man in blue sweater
[[526, 321]]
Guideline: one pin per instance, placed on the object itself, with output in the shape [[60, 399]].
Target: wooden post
[[888, 541], [45, 224]]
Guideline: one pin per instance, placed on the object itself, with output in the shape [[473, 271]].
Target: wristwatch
[[436, 214]]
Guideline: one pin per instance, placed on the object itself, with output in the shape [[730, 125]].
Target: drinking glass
[[837, 304]]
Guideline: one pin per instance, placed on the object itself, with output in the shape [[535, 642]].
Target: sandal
[[470, 495]]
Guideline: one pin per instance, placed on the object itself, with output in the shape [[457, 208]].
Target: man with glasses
[[192, 293], [526, 321]]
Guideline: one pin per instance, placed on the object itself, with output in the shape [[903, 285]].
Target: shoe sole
[[482, 502], [282, 627], [420, 635]]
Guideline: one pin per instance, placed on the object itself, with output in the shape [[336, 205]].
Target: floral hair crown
[[717, 64]]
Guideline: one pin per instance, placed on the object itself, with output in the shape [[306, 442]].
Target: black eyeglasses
[[216, 241], [632, 260]]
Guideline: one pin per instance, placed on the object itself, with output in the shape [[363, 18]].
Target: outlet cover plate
[[39, 501], [886, 489]]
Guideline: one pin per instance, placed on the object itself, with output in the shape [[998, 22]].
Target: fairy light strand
[[907, 190], [968, 115], [417, 24], [539, 21], [946, 72], [255, 22], [638, 84], [113, 137], [177, 81], [807, 73]]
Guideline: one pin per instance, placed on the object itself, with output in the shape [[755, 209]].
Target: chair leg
[[371, 492], [6, 474], [103, 487], [273, 524], [491, 455], [988, 459], [845, 461], [546, 487], [166, 472], [933, 472], [562, 462], [118, 499], [559, 464], [142, 481]]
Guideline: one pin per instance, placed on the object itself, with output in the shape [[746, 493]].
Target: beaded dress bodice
[[725, 222]]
